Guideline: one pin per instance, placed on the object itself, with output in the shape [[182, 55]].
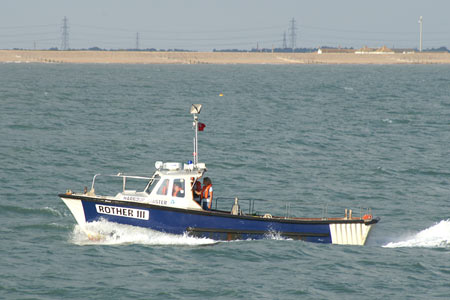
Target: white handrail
[[119, 175]]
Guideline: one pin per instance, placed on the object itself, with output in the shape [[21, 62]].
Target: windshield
[[152, 183]]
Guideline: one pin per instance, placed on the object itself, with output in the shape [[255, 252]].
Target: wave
[[109, 233], [436, 236], [48, 211]]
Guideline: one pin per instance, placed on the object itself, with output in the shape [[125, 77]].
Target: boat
[[157, 206]]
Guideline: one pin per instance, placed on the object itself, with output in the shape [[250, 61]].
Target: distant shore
[[254, 58]]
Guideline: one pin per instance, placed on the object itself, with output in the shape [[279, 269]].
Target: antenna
[[420, 33], [195, 110], [65, 35]]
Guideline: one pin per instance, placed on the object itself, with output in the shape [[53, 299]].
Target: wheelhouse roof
[[180, 173]]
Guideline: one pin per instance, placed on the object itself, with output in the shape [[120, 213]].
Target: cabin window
[[178, 188], [152, 184], [164, 187]]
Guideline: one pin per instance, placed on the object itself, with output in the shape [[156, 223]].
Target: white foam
[[275, 235], [436, 236], [108, 233]]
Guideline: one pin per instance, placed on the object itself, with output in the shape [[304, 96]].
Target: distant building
[[367, 50], [334, 50], [404, 50], [384, 50]]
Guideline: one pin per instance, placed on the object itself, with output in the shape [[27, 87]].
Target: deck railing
[[290, 208]]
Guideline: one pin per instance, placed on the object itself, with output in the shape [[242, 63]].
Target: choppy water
[[345, 136]]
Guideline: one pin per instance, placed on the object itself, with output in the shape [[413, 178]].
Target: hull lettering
[[122, 212]]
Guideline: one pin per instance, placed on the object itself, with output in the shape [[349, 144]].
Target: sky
[[204, 25]]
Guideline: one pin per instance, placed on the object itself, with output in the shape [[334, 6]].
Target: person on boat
[[177, 190], [196, 190], [164, 187], [207, 194]]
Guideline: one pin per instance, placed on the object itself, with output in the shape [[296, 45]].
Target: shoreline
[[218, 58]]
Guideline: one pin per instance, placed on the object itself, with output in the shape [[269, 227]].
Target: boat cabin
[[171, 185]]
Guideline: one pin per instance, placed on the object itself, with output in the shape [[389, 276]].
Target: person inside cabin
[[163, 188], [177, 190], [207, 194], [196, 190]]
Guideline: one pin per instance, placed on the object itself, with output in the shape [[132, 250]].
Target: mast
[[195, 110]]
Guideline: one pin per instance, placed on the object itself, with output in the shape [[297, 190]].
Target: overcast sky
[[211, 24]]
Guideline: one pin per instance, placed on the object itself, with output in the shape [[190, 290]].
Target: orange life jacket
[[205, 195], [205, 191], [164, 190]]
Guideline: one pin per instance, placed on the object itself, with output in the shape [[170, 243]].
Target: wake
[[108, 233], [436, 236]]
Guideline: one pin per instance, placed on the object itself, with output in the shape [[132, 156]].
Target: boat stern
[[351, 233]]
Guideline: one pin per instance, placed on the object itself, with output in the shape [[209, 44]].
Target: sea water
[[299, 137]]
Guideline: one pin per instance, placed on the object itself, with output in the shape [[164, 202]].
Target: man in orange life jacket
[[177, 190], [207, 194]]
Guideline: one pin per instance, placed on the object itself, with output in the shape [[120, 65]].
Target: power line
[[94, 35], [192, 31], [176, 38], [368, 31], [27, 26], [28, 34]]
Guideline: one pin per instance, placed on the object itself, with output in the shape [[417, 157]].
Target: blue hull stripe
[[210, 225]]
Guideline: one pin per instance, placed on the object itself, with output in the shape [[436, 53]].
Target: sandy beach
[[141, 57]]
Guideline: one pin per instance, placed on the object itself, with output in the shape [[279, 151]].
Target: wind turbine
[[420, 33]]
